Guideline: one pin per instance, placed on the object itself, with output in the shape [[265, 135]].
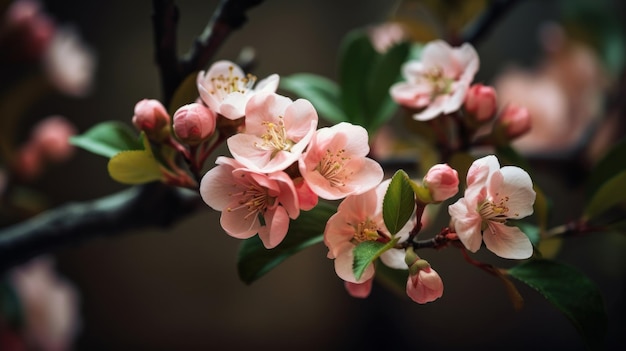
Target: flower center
[[224, 85], [275, 137], [439, 82], [366, 230], [331, 167], [255, 199], [492, 211]]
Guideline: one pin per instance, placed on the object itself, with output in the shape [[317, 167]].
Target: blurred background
[[178, 289]]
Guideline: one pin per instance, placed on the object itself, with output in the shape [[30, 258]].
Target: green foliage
[[365, 76], [107, 139], [367, 252], [398, 203], [569, 291], [135, 166], [322, 92], [11, 309], [608, 196], [186, 93], [254, 260]]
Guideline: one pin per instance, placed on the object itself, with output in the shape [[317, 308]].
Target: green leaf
[[254, 260], [611, 164], [571, 292], [610, 194], [135, 166], [186, 93], [107, 139], [398, 202], [367, 252], [322, 92], [385, 72], [356, 57]]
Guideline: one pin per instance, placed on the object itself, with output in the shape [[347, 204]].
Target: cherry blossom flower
[[493, 196], [277, 132], [250, 202], [226, 89], [358, 219], [442, 181], [425, 286], [335, 165], [437, 84]]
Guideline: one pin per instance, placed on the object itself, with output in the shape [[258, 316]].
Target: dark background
[[178, 289]]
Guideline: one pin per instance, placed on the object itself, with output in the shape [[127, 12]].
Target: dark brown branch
[[164, 22], [494, 12], [150, 205]]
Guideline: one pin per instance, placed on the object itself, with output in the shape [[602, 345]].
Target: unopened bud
[[442, 181], [194, 123], [152, 118], [514, 121], [480, 102], [51, 138]]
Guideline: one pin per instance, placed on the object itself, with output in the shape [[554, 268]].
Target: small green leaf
[[367, 252], [461, 161], [107, 139], [186, 93], [322, 92], [571, 292], [398, 202], [254, 260], [608, 195], [356, 58], [135, 166]]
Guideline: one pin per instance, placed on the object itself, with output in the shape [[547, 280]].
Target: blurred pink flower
[[276, 133], [493, 196], [193, 123], [50, 306], [442, 181], [70, 64], [359, 290], [437, 83], [386, 35], [480, 102], [51, 138], [226, 89], [358, 219], [335, 163], [424, 286], [29, 29], [250, 202], [515, 121]]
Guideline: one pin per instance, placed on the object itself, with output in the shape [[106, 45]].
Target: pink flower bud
[[424, 286], [480, 102], [194, 123], [31, 29], [442, 181], [151, 117], [51, 138], [515, 121]]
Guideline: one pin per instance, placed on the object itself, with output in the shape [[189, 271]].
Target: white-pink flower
[[493, 196], [335, 164], [438, 82], [277, 132], [425, 286], [358, 219], [250, 202], [226, 89]]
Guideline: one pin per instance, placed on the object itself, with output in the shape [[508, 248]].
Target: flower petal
[[467, 224], [507, 242]]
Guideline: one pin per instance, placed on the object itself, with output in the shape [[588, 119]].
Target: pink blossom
[[250, 202], [307, 199], [50, 137], [493, 196], [480, 102], [515, 121], [29, 30], [438, 82], [335, 165], [69, 63], [442, 181], [50, 305], [384, 36], [193, 123], [226, 89], [359, 290], [359, 218], [151, 117], [425, 286], [276, 133]]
